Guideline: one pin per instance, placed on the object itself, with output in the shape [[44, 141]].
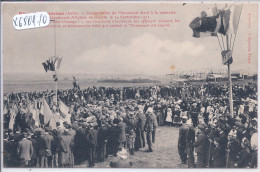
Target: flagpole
[[56, 85], [230, 83], [56, 82]]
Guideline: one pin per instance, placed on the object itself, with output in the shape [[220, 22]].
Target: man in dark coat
[[190, 139], [200, 145], [17, 135], [55, 148], [222, 139], [194, 114], [150, 125], [66, 155], [121, 129], [48, 143], [243, 155], [41, 149], [80, 151], [182, 140], [102, 141], [155, 126], [91, 138], [218, 155], [140, 139], [233, 148], [33, 161], [6, 148], [13, 160], [62, 151]]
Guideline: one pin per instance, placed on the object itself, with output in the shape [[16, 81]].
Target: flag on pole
[[34, 114], [13, 112], [54, 119], [46, 111], [58, 62], [213, 21], [5, 111], [52, 64], [64, 110], [231, 17]]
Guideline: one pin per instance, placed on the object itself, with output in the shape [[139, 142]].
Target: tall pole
[[56, 82], [230, 83], [56, 85]]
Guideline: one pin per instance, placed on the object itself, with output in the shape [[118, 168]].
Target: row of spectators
[[102, 120]]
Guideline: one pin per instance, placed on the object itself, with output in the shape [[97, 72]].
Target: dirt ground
[[164, 155]]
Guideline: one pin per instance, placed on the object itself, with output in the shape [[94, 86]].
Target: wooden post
[[230, 84]]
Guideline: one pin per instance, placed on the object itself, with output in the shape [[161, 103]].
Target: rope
[[223, 42], [237, 27], [219, 43], [230, 40]]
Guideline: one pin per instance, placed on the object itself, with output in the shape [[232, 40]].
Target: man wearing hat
[[194, 113], [33, 161], [25, 150], [140, 139], [190, 139], [80, 151], [48, 139], [121, 128], [155, 125], [182, 140], [91, 137], [200, 147], [150, 125], [233, 147], [102, 140], [41, 146], [243, 155]]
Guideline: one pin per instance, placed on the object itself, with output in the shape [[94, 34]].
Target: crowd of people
[[104, 121]]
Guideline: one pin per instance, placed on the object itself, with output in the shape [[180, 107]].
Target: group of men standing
[[212, 146], [80, 141]]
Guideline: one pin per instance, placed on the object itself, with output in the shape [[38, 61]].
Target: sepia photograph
[[129, 85]]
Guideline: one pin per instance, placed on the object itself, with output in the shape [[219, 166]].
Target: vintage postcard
[[129, 85]]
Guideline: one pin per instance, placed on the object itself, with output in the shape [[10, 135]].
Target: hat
[[184, 117], [149, 110], [177, 106], [122, 153], [84, 125], [245, 141]]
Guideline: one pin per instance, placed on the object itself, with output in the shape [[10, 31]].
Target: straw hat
[[122, 153]]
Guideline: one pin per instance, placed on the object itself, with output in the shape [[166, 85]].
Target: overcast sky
[[122, 50]]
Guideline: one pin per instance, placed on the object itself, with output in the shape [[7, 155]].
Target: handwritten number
[[44, 20]]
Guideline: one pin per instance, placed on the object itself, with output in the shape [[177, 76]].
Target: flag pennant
[[64, 110], [46, 111], [55, 118], [45, 66], [5, 111], [223, 21], [13, 112], [35, 114], [57, 64]]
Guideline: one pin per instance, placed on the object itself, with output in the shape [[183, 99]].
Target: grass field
[[165, 154]]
